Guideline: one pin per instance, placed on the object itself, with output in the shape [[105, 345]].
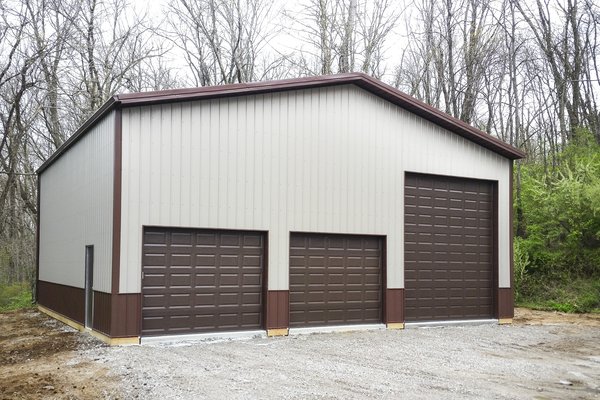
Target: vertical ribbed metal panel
[[321, 160], [76, 209]]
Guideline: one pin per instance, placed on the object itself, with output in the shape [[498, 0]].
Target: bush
[[557, 257], [521, 265], [577, 295], [15, 297]]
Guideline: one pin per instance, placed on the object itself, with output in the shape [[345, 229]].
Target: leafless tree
[[59, 60], [526, 72], [567, 45], [17, 76], [111, 41], [344, 35], [222, 41], [453, 46], [52, 25]]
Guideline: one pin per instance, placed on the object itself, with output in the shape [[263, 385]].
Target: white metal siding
[[320, 160], [76, 209]]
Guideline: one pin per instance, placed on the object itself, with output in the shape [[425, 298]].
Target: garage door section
[[449, 248], [197, 281], [335, 279]]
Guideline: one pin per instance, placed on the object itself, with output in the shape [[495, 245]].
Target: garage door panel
[[153, 301], [181, 239], [154, 280], [155, 238], [228, 260], [205, 239], [180, 300], [334, 279], [208, 260], [252, 260], [204, 299], [448, 248], [229, 280], [202, 281], [251, 279], [371, 279], [297, 261], [155, 259], [296, 296], [297, 242]]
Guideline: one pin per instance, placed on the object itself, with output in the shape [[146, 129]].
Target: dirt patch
[[27, 336], [39, 359], [542, 355], [525, 316]]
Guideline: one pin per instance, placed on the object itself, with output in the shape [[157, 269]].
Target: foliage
[[15, 297], [561, 244], [521, 264], [577, 295]]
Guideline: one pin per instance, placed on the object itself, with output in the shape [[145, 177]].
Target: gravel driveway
[[469, 362]]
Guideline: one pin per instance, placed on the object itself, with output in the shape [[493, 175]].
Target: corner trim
[[37, 238], [116, 228], [511, 222]]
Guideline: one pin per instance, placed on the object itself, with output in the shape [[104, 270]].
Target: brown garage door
[[335, 279], [197, 281], [449, 248]]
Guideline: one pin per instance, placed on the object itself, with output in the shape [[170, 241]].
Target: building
[[323, 201]]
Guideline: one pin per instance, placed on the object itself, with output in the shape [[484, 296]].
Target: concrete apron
[[203, 337], [339, 328], [435, 324]]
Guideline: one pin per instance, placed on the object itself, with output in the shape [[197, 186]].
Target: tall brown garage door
[[335, 279], [197, 281], [449, 248]]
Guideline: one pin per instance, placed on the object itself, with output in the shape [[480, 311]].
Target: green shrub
[[557, 257], [521, 265], [14, 297], [577, 295]]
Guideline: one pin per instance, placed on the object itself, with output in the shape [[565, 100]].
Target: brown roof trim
[[438, 117], [83, 129], [361, 80]]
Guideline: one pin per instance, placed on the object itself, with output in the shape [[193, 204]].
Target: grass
[[15, 297], [567, 295]]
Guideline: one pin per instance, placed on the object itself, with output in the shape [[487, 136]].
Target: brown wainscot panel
[[278, 309], [505, 303], [125, 315], [117, 315], [65, 300], [394, 306], [101, 320]]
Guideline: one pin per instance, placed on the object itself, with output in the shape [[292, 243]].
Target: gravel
[[469, 362]]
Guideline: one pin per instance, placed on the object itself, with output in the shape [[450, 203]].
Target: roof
[[361, 80]]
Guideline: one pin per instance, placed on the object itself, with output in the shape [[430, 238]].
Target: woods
[[526, 73]]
